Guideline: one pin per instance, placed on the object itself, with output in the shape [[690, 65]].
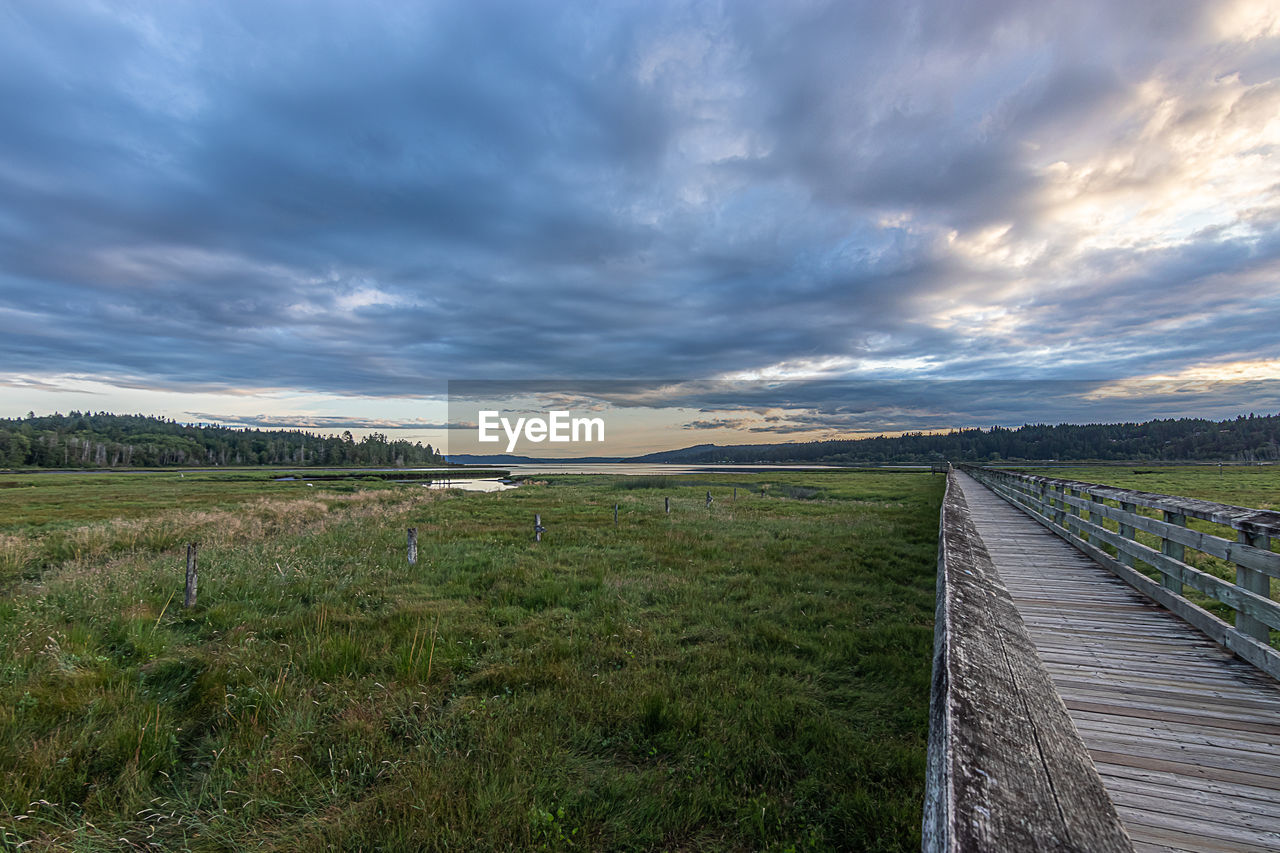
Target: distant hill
[[104, 440], [1243, 439]]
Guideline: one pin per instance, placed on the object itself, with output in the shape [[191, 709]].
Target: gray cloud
[[369, 200], [838, 406], [320, 422]]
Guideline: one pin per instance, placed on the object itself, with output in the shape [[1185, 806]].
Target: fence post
[[1254, 581], [668, 505], [1173, 549], [1095, 518], [189, 598], [615, 515], [1059, 507], [708, 500], [1073, 511], [413, 546], [538, 529], [1128, 531]]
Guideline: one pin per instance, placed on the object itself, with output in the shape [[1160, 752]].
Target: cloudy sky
[[319, 213]]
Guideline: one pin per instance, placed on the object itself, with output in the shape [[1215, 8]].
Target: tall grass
[[750, 676]]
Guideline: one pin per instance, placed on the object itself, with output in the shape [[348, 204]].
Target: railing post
[[1073, 511], [1128, 531], [1094, 518], [1173, 549], [1254, 581]]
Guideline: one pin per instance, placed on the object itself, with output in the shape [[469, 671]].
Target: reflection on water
[[478, 485]]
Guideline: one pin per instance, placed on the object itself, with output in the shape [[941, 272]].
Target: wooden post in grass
[[615, 515], [668, 502], [538, 529], [708, 500], [413, 546], [735, 494], [189, 598]]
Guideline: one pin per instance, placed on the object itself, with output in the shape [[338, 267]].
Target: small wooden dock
[[1184, 735]]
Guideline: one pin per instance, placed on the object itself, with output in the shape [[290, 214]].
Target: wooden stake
[[538, 529], [413, 546], [189, 599], [668, 500], [708, 500], [615, 515]]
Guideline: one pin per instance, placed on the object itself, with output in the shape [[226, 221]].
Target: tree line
[[104, 440], [1244, 439]]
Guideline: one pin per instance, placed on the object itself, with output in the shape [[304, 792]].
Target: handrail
[[1256, 521], [1076, 511], [1006, 769]]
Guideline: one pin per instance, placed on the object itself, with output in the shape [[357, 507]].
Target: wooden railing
[[1006, 768], [1078, 511]]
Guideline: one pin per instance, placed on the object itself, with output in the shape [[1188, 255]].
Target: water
[[640, 469], [476, 485]]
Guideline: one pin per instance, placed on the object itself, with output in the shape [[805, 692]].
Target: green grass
[[753, 676], [58, 500]]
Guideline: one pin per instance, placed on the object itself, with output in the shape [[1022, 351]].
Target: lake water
[[494, 484], [477, 485], [641, 469]]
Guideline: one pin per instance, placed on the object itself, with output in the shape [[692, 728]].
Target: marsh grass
[[750, 676]]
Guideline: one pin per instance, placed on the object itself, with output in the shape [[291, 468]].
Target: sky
[[320, 213]]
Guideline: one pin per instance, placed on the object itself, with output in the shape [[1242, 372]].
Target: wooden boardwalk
[[1185, 735]]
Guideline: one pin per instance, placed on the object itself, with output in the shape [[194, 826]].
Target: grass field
[[753, 676]]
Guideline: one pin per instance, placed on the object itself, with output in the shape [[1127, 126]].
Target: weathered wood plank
[[1174, 785], [1186, 842], [1006, 768], [1183, 768], [1165, 812], [1200, 835], [1170, 712], [1169, 691], [1137, 729], [1262, 813], [1203, 757]]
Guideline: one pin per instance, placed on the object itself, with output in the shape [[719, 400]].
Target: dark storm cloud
[[369, 199]]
